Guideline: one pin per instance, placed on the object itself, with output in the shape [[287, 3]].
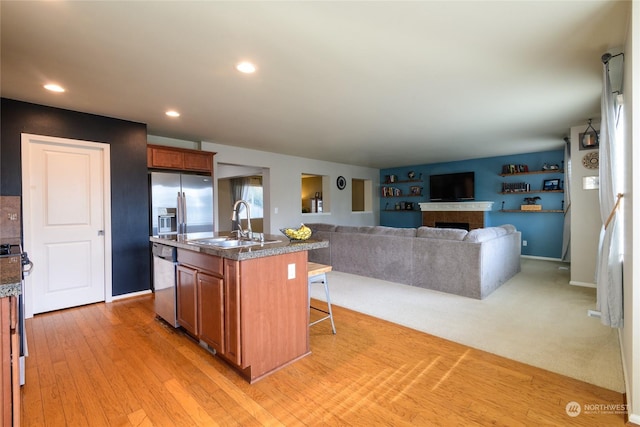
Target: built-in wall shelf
[[533, 172], [524, 188], [540, 211], [402, 181], [531, 192], [401, 188]]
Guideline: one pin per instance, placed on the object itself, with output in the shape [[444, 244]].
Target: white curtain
[[609, 264], [566, 231]]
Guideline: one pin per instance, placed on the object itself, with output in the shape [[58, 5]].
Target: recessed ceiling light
[[172, 113], [246, 67], [54, 87]]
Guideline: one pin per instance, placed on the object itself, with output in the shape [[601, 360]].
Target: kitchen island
[[248, 304]]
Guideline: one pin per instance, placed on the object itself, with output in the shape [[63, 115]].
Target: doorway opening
[[237, 182]]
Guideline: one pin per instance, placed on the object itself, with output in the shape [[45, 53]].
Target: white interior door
[[66, 199]]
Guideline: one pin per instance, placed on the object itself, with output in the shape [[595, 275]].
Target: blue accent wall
[[542, 231]]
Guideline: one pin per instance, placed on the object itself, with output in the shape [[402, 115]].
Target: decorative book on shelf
[[515, 187], [508, 169], [391, 192]]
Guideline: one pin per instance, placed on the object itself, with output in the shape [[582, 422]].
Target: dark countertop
[[283, 246]]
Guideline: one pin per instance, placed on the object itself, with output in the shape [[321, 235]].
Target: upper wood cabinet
[[163, 157]]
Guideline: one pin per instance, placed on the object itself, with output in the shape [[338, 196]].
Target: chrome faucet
[[235, 218]]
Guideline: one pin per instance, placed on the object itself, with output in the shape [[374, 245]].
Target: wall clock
[[341, 183], [591, 160]]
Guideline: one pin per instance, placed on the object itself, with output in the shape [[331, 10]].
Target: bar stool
[[317, 273]]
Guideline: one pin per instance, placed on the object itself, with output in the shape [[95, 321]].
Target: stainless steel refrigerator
[[181, 203]]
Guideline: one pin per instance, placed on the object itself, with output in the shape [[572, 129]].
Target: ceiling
[[379, 84]]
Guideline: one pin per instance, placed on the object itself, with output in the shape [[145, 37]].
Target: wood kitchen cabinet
[[182, 159], [9, 357], [201, 297], [211, 309], [232, 311], [253, 312], [187, 296]]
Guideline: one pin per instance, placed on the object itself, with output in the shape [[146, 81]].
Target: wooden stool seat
[[315, 269], [317, 273]]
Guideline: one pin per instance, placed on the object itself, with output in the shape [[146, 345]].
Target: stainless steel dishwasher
[[164, 282]]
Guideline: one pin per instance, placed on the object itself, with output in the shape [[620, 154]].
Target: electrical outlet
[[291, 274], [524, 243]]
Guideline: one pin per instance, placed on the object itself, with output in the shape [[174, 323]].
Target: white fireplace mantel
[[456, 206]]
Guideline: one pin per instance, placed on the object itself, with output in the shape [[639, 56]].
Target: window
[[252, 194]]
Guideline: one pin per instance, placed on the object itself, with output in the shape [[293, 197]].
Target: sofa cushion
[[393, 231], [510, 228], [352, 229], [321, 227], [441, 233], [483, 234]]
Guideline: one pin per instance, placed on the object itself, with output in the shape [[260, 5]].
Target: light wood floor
[[116, 365]]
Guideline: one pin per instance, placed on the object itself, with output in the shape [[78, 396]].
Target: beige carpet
[[535, 318]]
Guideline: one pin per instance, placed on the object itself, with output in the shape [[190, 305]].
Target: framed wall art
[[551, 184]]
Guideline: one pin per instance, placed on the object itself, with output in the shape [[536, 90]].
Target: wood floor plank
[[100, 400], [33, 401], [230, 394], [74, 412], [117, 395], [142, 372], [76, 353], [196, 412], [139, 418]]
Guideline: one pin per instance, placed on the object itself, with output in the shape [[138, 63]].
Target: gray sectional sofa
[[467, 263]]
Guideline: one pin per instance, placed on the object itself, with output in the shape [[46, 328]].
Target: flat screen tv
[[452, 187]]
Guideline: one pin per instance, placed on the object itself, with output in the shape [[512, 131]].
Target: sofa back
[[468, 263], [375, 251], [321, 231]]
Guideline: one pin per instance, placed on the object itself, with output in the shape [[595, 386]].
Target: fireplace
[[460, 225], [464, 215]]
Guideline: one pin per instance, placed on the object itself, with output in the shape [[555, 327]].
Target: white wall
[[282, 183], [630, 334], [585, 216]]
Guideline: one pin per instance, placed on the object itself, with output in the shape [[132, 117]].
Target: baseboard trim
[[130, 295], [543, 258], [583, 284], [633, 420]]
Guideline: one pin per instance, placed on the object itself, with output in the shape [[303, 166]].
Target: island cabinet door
[[5, 362], [232, 312], [188, 299], [211, 310]]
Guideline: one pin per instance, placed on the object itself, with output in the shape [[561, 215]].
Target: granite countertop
[[10, 290], [10, 273], [281, 246]]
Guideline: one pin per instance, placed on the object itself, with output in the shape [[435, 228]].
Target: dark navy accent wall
[[129, 187], [542, 231]]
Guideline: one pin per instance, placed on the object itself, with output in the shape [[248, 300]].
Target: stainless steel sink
[[224, 242]]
